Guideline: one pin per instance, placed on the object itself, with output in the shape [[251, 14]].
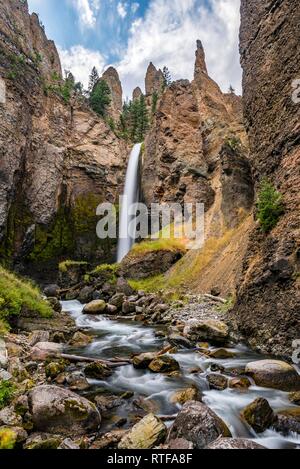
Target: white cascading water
[[131, 197]]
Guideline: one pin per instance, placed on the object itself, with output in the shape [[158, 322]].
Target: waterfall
[[130, 197]]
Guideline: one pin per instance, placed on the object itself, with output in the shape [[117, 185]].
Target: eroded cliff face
[[268, 310], [58, 161], [111, 76]]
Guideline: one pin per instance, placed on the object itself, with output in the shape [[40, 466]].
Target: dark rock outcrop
[[268, 305]]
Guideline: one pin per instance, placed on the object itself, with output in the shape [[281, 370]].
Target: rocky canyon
[[173, 347]]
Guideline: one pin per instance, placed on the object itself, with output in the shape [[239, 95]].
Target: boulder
[[52, 291], [109, 440], [77, 381], [239, 383], [179, 341], [206, 330], [164, 364], [9, 417], [142, 362], [43, 441], [221, 354], [38, 336], [199, 424], [95, 307], [259, 415], [286, 425], [69, 444], [97, 371], [43, 350], [86, 294], [117, 300], [185, 395], [137, 266], [80, 340], [179, 443], [218, 382], [274, 374], [234, 443], [146, 434], [294, 397], [53, 369], [128, 307], [111, 310], [57, 410], [55, 304]]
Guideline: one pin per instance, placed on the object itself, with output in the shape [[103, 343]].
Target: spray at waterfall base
[[159, 221]]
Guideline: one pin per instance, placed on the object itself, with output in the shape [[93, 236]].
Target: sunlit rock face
[[112, 78]]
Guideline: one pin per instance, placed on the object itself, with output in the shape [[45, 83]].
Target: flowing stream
[[122, 339], [130, 197]]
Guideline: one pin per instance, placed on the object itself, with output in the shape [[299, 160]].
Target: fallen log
[[215, 298], [80, 359]]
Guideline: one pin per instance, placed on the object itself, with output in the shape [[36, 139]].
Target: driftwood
[[215, 298], [110, 363]]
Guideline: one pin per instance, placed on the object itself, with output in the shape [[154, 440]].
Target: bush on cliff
[[17, 295], [270, 206]]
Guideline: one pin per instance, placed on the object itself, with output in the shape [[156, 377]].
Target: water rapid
[[114, 339], [130, 197]]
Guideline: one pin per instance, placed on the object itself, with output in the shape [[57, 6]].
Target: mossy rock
[[164, 364], [54, 369], [146, 434], [259, 415], [97, 371], [186, 395]]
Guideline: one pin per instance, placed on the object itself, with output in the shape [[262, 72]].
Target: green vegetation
[[269, 206], [158, 245], [66, 88], [134, 120], [17, 63], [149, 285], [8, 438], [93, 79], [106, 272], [167, 78], [234, 143], [66, 265], [7, 390], [100, 97], [230, 302], [16, 295]]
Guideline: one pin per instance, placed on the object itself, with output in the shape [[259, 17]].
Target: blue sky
[[130, 34]]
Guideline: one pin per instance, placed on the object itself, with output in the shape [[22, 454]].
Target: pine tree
[[154, 102], [94, 78], [167, 78], [143, 120], [231, 90], [100, 97]]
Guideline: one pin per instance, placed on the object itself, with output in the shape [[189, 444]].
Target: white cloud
[[167, 36], [121, 9], [80, 62], [87, 12]]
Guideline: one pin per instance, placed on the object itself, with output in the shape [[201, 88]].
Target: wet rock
[[44, 350], [142, 362], [294, 397], [54, 369], [86, 295], [147, 405], [186, 395], [232, 443], [95, 307], [105, 403], [80, 340], [9, 417], [216, 368], [52, 291], [43, 441], [210, 330], [179, 443], [259, 415], [57, 410], [274, 374], [293, 413], [97, 371], [55, 304], [240, 383], [179, 341], [146, 434], [199, 424], [164, 364], [69, 444], [111, 310], [109, 440], [128, 307], [38, 336], [77, 381], [217, 382], [286, 425], [221, 354]]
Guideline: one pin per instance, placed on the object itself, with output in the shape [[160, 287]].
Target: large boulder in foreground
[[199, 424], [274, 374], [59, 411], [164, 364], [259, 415], [146, 434], [95, 307], [232, 443], [207, 330]]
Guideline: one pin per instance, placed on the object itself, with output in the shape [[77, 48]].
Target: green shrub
[[270, 206], [65, 265], [6, 393], [8, 438], [16, 294]]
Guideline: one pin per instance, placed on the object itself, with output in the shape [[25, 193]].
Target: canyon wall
[[58, 160], [268, 308]]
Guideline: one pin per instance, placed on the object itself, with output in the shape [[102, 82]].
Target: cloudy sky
[[130, 34]]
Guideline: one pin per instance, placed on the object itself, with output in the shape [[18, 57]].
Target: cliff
[[58, 159], [268, 309]]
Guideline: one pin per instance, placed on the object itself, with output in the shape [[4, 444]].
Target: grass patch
[[6, 393], [105, 272], [148, 285], [16, 294], [158, 245], [65, 265], [230, 302]]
